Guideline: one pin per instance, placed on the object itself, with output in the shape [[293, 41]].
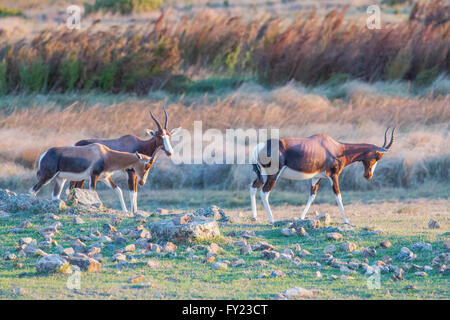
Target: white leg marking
[[265, 201], [308, 204], [135, 209], [341, 208], [122, 201], [60, 183], [253, 202]]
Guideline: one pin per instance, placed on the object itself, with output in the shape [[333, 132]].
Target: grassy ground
[[402, 218]]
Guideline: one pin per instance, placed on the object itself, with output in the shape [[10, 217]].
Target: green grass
[[182, 278]]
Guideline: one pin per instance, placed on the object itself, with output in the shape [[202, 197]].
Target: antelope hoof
[[349, 223]]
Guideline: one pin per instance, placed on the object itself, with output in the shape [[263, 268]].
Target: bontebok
[[315, 157]]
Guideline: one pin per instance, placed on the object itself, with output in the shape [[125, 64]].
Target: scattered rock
[[246, 249], [305, 223], [421, 274], [52, 264], [8, 256], [198, 228], [169, 247], [297, 292], [385, 244], [219, 266], [433, 224], [270, 254], [78, 220], [368, 252], [422, 246], [406, 255], [348, 246], [237, 262], [277, 274], [330, 249], [301, 232], [135, 279], [85, 263], [212, 212], [108, 228], [334, 236], [287, 232], [130, 248], [411, 287], [84, 197]]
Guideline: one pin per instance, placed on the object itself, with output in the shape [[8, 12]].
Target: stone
[[368, 252], [119, 257], [213, 212], [142, 243], [67, 251], [422, 246], [85, 263], [153, 264], [330, 249], [305, 223], [334, 236], [209, 259], [169, 247], [421, 274], [219, 266], [303, 253], [324, 218], [348, 246], [25, 225], [84, 197], [285, 257], [108, 228], [183, 219], [411, 287], [32, 251], [52, 264], [238, 262], [297, 292], [199, 228], [277, 274], [13, 202], [155, 247], [130, 248], [270, 254], [78, 220], [49, 232], [446, 245], [247, 234], [301, 232], [8, 256], [135, 279], [27, 241], [406, 255], [246, 250], [4, 215], [287, 232], [433, 224], [385, 244]]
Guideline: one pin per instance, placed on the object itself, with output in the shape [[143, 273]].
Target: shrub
[[123, 6], [5, 12]]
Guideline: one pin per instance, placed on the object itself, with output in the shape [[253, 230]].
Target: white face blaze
[[167, 144]]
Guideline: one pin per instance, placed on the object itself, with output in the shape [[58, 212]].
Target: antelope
[[313, 158], [95, 162], [160, 139]]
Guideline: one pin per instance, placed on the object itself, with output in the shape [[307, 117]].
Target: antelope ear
[[381, 150], [175, 131], [151, 133], [138, 156]]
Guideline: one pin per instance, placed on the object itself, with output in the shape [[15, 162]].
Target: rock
[[278, 296], [270, 254], [12, 202], [198, 228], [4, 215], [25, 225], [219, 266], [385, 244], [368, 252], [169, 247], [318, 274], [303, 253], [433, 224], [398, 274], [209, 259], [334, 236], [108, 228], [8, 256], [48, 232], [285, 257], [118, 257], [305, 223], [446, 245], [237, 262], [213, 212], [411, 287], [406, 255], [301, 232], [19, 291], [183, 219], [288, 252], [162, 211], [78, 220], [27, 241], [142, 243], [155, 247], [130, 248], [348, 246], [297, 292], [247, 234], [422, 246], [213, 249], [153, 264], [421, 274], [52, 264], [330, 249], [85, 263], [135, 279], [287, 232], [246, 250], [277, 274], [324, 218], [84, 197]]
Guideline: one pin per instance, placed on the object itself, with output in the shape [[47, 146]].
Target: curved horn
[[156, 121], [384, 144], [392, 140], [165, 122]]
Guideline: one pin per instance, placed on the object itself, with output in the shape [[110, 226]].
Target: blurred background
[[304, 67]]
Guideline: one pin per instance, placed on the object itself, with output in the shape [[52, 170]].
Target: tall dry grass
[[311, 49], [420, 153]]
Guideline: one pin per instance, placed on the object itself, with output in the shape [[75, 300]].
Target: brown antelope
[[160, 139], [315, 157], [94, 162]]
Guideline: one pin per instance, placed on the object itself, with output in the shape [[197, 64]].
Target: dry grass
[[420, 153]]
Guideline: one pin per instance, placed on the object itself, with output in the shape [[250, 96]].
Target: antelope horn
[[165, 122], [156, 121], [392, 139], [384, 144]]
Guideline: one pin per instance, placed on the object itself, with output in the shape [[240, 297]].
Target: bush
[[123, 6], [5, 12]]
